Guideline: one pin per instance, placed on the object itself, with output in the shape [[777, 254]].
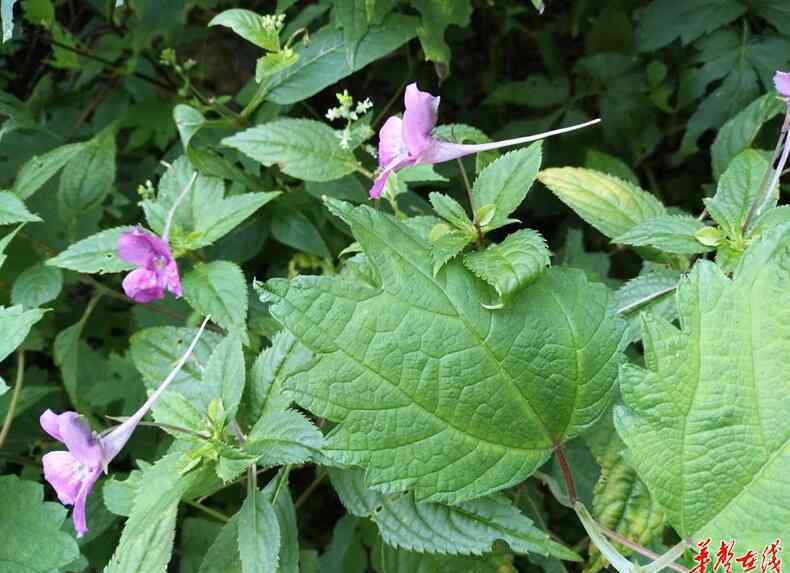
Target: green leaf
[[218, 288], [468, 528], [281, 438], [668, 233], [402, 561], [276, 491], [537, 91], [369, 341], [24, 518], [351, 17], [3, 386], [119, 495], [295, 229], [738, 187], [7, 17], [88, 176], [147, 539], [621, 501], [15, 323], [155, 351], [223, 555], [448, 243], [259, 535], [345, 552], [437, 15], [5, 241], [41, 168], [652, 290], [37, 285], [188, 121], [512, 264], [323, 61], [740, 131], [302, 148], [711, 399], [451, 210], [257, 29], [226, 370], [609, 164], [95, 254], [574, 254], [664, 21], [13, 210], [506, 182], [609, 204]]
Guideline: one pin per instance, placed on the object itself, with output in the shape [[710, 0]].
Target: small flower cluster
[[273, 23], [351, 112]]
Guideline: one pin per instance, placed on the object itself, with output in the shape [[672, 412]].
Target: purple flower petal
[[172, 279], [782, 83], [144, 286], [78, 516], [418, 119], [391, 145], [50, 423], [79, 439], [142, 248], [63, 472], [381, 179]]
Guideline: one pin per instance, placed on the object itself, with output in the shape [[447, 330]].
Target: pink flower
[[782, 83], [73, 473], [157, 270], [409, 141]]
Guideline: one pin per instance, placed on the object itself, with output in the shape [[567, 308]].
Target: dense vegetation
[[279, 292]]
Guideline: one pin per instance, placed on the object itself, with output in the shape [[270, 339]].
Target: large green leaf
[[711, 403], [37, 285], [668, 233], [259, 535], [95, 254], [226, 371], [324, 60], [26, 521], [469, 528], [611, 205], [417, 369], [41, 168], [88, 176], [302, 148], [663, 21]]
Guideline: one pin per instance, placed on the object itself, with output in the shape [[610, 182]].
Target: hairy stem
[[20, 375]]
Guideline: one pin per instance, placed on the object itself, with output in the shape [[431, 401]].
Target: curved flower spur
[[409, 141], [74, 472]]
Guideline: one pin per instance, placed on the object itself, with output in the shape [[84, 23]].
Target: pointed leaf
[[13, 210], [668, 233], [41, 168], [402, 389], [218, 289], [95, 254], [226, 371], [37, 285], [259, 535], [15, 323]]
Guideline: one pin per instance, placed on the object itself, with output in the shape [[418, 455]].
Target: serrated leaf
[[276, 491], [95, 254], [450, 210], [223, 555], [736, 192], [712, 398], [37, 285], [513, 263], [448, 245], [621, 501], [506, 182], [24, 518], [218, 289], [250, 26], [15, 324], [401, 561], [87, 177], [664, 21], [13, 210], [369, 342], [609, 204], [281, 438], [468, 528], [437, 15], [668, 233], [323, 61], [41, 168], [740, 131], [118, 496], [226, 370], [652, 290], [259, 535], [147, 540], [302, 148], [609, 164]]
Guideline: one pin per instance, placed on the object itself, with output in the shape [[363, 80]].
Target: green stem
[[208, 511], [310, 489], [570, 485], [470, 196], [20, 375]]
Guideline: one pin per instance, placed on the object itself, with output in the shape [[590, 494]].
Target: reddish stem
[[566, 473]]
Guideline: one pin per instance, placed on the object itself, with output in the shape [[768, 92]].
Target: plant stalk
[[20, 375]]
